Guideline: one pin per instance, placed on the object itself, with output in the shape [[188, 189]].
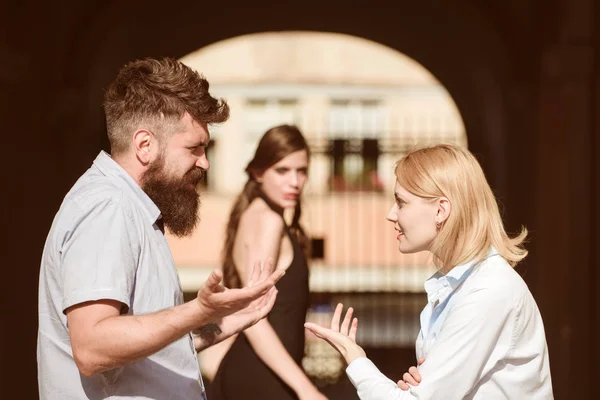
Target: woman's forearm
[[270, 350]]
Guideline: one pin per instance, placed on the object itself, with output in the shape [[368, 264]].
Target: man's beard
[[177, 199]]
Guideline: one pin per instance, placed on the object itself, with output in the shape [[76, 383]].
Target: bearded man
[[112, 321]]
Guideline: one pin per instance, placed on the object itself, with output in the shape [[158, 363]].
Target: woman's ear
[[257, 177], [443, 210]]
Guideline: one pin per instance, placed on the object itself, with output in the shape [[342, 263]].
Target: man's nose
[[202, 162]]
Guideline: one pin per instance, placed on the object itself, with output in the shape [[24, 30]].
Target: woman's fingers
[[335, 320], [316, 329], [409, 379], [412, 377], [325, 333], [402, 385], [346, 322], [414, 372], [342, 343], [339, 338], [353, 329]]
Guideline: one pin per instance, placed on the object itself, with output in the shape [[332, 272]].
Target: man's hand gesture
[[229, 311]]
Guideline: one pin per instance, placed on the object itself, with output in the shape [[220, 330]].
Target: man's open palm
[[217, 301]]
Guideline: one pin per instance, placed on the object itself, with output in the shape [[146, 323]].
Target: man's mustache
[[195, 176]]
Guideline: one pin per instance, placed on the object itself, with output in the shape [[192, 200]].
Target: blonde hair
[[474, 223]]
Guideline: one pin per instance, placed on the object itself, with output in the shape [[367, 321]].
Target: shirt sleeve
[[475, 335], [98, 256], [371, 384]]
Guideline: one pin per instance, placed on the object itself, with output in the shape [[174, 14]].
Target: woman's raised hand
[[340, 337]]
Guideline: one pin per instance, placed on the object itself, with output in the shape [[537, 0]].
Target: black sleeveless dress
[[242, 374]]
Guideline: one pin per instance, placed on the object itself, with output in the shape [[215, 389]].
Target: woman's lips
[[400, 233]]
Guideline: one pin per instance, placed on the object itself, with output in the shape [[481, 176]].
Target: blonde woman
[[482, 335]]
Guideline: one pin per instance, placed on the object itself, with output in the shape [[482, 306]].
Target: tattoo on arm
[[208, 333]]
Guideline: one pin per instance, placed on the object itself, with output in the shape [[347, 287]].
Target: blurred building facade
[[361, 105]]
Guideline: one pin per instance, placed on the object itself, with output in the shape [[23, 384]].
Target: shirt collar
[[109, 167], [440, 286]]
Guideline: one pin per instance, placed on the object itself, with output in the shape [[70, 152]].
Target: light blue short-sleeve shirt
[[104, 243]]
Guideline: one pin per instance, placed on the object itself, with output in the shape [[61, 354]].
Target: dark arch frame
[[467, 56]]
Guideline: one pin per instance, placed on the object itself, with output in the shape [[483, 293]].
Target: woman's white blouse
[[482, 337]]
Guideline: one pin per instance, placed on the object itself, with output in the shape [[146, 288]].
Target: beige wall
[[320, 58]]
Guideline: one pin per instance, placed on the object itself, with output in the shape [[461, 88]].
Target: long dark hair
[[276, 143]]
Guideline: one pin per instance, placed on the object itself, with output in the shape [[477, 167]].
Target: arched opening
[[361, 105]]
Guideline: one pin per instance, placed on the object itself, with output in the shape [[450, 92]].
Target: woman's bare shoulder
[[259, 216]]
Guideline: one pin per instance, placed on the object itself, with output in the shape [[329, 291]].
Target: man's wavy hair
[[155, 94]]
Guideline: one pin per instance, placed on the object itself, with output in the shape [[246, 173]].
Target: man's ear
[[142, 142]]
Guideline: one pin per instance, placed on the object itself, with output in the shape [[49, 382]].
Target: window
[[317, 248], [265, 113], [261, 114], [355, 127], [356, 119], [354, 165]]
